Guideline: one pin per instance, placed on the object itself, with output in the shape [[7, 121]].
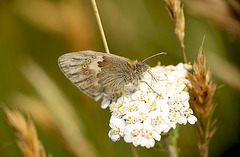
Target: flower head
[[142, 114]]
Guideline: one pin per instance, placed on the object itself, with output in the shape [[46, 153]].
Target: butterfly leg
[[114, 97], [151, 88], [154, 78]]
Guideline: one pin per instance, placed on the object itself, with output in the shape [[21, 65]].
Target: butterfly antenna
[[160, 53]]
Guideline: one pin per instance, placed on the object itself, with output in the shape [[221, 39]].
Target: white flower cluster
[[141, 116]]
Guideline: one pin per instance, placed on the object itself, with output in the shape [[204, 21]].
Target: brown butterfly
[[97, 73]]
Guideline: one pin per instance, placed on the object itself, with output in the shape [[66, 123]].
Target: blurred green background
[[33, 34]]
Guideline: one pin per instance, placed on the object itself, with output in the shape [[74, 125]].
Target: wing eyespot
[[86, 72], [84, 66], [88, 60]]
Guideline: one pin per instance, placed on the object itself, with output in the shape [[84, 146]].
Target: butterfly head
[[139, 69]]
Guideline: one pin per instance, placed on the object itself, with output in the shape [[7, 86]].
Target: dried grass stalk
[[26, 132], [100, 26], [175, 10], [202, 92]]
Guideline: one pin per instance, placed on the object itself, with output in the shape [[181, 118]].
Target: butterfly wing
[[95, 73], [116, 72]]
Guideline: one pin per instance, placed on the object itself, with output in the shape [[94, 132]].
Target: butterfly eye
[[88, 60], [84, 66]]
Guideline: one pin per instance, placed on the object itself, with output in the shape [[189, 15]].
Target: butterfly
[[97, 73]]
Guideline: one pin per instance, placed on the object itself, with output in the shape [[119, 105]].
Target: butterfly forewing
[[95, 73]]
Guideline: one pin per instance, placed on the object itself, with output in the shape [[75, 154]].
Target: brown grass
[[175, 10], [26, 133], [202, 92], [60, 114]]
